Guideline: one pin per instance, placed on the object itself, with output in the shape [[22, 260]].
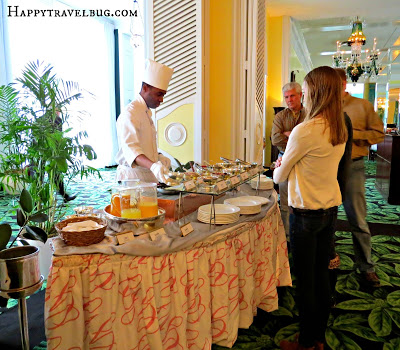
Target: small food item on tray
[[82, 230], [86, 225]]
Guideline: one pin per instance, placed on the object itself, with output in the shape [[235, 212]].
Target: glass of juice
[[115, 208], [148, 200], [129, 201]]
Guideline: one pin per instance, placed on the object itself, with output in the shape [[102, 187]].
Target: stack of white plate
[[224, 213], [247, 205], [265, 183]]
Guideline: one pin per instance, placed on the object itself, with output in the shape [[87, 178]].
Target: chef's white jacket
[[136, 135]]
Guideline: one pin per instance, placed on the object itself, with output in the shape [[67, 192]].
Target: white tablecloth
[[182, 300]]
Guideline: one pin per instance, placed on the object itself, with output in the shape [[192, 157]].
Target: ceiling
[[323, 22]]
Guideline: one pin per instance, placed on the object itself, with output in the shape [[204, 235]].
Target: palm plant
[[38, 151]]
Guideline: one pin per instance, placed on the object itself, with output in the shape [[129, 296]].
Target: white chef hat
[[157, 74]]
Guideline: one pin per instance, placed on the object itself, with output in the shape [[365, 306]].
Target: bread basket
[[82, 238]]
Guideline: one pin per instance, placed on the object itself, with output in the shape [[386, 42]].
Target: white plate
[[175, 134], [243, 201], [218, 222], [219, 209], [261, 200]]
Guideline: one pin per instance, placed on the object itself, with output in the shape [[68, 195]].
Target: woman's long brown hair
[[324, 98]]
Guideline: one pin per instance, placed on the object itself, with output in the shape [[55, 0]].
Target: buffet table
[[197, 294]]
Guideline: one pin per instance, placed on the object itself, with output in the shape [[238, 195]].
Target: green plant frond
[[393, 344], [394, 298], [359, 294], [380, 239], [349, 319], [339, 341], [394, 314], [356, 305], [380, 322]]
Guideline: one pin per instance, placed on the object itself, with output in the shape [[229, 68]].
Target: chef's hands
[[159, 171], [164, 160]]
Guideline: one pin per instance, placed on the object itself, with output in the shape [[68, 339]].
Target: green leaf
[[35, 233], [380, 322], [344, 241], [349, 319], [381, 293], [394, 298], [282, 311], [343, 234], [380, 239], [382, 275], [5, 235], [287, 332], [39, 217], [392, 247], [346, 263], [21, 218], [395, 281], [394, 257], [394, 344], [386, 267], [394, 314], [26, 202], [62, 164], [339, 341], [363, 332], [345, 248], [380, 249], [359, 294], [397, 268], [356, 304]]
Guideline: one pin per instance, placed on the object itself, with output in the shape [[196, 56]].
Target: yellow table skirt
[[184, 300]]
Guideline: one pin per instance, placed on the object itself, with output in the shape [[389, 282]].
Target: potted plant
[[40, 152], [26, 215]]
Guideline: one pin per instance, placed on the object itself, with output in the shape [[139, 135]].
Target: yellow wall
[[184, 115], [220, 79], [392, 107], [274, 82]]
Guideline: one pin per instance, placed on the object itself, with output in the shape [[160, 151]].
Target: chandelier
[[354, 65]]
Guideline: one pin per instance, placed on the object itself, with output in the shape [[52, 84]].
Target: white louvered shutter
[[177, 42], [249, 87]]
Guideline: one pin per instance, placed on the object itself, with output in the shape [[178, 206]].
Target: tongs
[[198, 167], [226, 160], [242, 161]]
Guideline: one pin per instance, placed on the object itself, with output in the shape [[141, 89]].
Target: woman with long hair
[[310, 164]]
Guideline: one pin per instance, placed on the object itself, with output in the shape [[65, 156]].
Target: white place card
[[125, 237], [221, 185], [244, 176], [189, 185], [186, 229], [234, 180], [156, 233]]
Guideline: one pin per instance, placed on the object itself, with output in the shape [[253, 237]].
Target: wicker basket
[[81, 238]]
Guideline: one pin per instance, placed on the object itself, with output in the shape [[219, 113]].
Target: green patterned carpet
[[361, 319]]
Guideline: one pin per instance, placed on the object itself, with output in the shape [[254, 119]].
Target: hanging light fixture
[[136, 26], [355, 66]]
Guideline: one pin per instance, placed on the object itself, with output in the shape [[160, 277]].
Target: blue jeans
[[311, 237], [356, 211]]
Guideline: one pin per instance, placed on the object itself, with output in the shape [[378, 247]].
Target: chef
[[137, 156]]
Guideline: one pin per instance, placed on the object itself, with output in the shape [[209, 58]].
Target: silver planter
[[19, 268]]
